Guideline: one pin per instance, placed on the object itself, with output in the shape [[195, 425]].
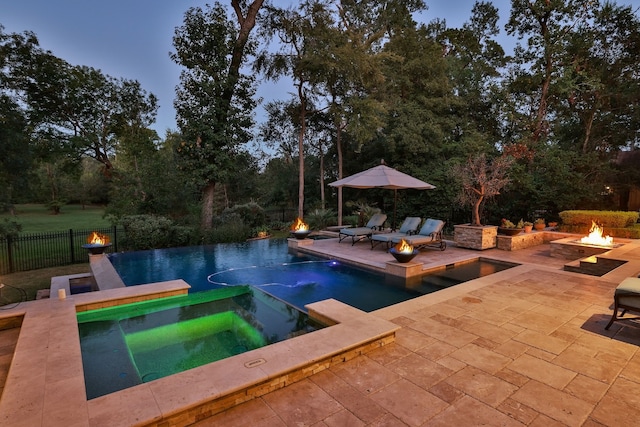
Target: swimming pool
[[131, 344], [296, 279]]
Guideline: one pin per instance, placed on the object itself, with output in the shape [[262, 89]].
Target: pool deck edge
[[49, 343]]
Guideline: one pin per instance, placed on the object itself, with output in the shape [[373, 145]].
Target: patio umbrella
[[383, 176]]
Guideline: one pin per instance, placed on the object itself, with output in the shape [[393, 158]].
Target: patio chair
[[409, 226], [429, 235], [358, 233], [626, 297]]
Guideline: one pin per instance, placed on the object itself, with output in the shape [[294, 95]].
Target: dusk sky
[[131, 39]]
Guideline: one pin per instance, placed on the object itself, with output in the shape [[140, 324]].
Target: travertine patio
[[525, 346]]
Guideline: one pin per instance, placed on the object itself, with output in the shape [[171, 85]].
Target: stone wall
[[474, 237], [520, 241]]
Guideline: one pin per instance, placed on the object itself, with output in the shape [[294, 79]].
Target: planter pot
[[475, 237], [528, 228], [553, 224], [509, 231], [539, 226]]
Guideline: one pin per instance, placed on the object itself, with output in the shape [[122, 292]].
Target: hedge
[[620, 224], [608, 219]]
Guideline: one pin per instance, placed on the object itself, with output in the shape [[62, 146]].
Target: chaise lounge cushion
[[375, 223], [628, 292], [429, 234], [409, 226], [626, 297]]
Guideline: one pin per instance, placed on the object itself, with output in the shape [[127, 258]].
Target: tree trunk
[[475, 220], [207, 206], [322, 195], [303, 111], [340, 160]]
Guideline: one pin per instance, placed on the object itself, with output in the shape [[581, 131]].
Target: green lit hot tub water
[[135, 343]]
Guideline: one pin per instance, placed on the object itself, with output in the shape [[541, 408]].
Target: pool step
[[593, 265]]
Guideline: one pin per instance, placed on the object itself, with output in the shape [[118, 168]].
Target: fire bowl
[[301, 234], [96, 248], [403, 257]]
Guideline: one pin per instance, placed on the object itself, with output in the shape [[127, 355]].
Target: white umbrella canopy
[[383, 176]]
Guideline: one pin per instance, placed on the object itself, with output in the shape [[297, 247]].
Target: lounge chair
[[358, 233], [626, 298], [409, 226], [429, 235]]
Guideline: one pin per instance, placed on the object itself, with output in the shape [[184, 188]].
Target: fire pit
[[299, 229], [403, 252], [594, 244], [97, 243], [596, 237]]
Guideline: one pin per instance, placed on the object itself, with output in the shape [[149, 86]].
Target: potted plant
[[480, 178], [539, 224], [508, 228], [528, 226]]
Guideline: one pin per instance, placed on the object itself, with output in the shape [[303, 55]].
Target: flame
[[96, 238], [298, 225], [595, 237], [404, 247]]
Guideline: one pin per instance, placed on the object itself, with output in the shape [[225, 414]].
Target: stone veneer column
[[474, 237]]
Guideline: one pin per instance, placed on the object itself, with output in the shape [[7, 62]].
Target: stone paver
[[525, 348]]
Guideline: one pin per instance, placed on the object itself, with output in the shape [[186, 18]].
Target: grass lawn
[[34, 280], [38, 219]]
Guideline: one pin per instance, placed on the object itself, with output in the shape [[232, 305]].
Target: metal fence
[[43, 250]]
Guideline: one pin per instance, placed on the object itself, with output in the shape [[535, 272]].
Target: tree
[[78, 107], [546, 24], [214, 102], [480, 179], [297, 57]]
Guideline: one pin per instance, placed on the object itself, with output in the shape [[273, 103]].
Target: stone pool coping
[[45, 384]]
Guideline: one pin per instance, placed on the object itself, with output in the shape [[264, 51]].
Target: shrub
[[279, 225], [252, 214], [151, 232], [9, 228], [228, 228], [320, 218], [608, 219]]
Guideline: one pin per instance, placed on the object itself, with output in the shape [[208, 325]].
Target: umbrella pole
[[395, 204]]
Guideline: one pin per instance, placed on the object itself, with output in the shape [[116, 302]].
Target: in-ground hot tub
[[131, 344]]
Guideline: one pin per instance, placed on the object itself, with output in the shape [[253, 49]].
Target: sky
[[132, 39]]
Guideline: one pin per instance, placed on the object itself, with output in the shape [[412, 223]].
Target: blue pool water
[[296, 279]]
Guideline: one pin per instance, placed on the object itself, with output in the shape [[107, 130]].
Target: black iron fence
[[42, 250]]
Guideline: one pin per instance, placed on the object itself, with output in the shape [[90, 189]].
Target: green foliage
[[319, 219], [279, 225], [55, 206], [214, 102], [35, 218], [153, 232], [9, 228], [505, 223], [251, 214], [228, 228], [608, 219], [363, 211]]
